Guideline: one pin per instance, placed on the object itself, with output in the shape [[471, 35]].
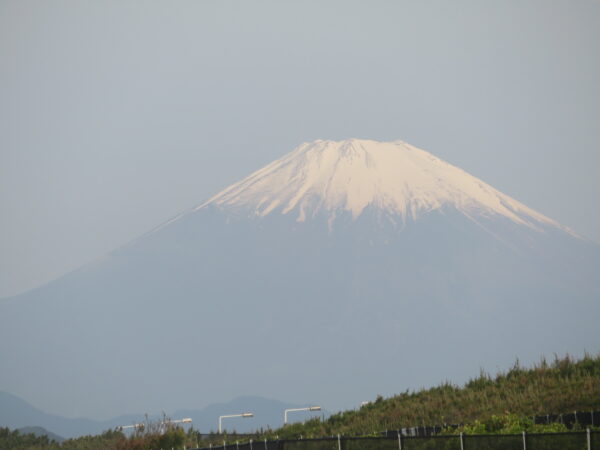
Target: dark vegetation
[[502, 404], [16, 440]]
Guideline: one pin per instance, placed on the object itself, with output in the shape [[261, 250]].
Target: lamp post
[[135, 425], [248, 414], [186, 420], [165, 425], [310, 408]]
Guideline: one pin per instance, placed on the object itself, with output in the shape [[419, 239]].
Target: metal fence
[[575, 440], [584, 420]]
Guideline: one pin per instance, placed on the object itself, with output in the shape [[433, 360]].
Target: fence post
[[589, 439], [399, 440], [524, 440], [339, 442], [250, 444], [266, 448], [462, 441]]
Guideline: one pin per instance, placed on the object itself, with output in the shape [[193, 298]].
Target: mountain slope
[[16, 413], [307, 291]]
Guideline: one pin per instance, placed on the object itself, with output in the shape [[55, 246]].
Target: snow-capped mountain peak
[[350, 175]]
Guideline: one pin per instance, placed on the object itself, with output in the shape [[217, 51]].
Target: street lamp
[[310, 408], [135, 425], [186, 420], [248, 414]]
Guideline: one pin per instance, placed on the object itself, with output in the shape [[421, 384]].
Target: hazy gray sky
[[117, 115]]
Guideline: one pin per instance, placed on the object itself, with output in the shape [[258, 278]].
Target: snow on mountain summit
[[351, 175]]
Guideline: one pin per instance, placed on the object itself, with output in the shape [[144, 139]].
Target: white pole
[[248, 414], [524, 441], [310, 408], [339, 443], [462, 442], [589, 439], [399, 441]]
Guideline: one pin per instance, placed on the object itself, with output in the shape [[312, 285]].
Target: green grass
[[561, 386]]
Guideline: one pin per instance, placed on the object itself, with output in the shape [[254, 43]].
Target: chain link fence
[[576, 440], [581, 419]]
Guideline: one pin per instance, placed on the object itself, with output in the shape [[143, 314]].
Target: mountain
[[16, 413], [341, 271], [268, 413]]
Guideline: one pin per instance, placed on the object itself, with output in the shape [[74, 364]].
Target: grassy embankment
[[499, 404], [558, 387]]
